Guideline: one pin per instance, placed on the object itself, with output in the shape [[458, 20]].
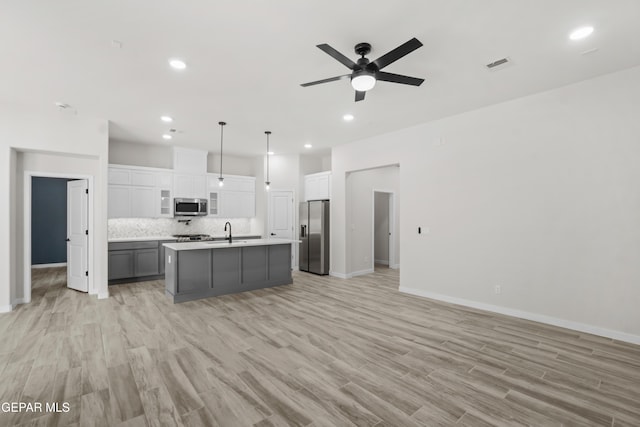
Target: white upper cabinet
[[190, 186], [119, 176], [188, 160], [119, 201], [143, 178], [137, 192], [235, 199], [317, 186]]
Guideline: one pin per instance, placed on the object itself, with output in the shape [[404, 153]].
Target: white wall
[[381, 228], [538, 195], [360, 188], [47, 131], [161, 156], [136, 154]]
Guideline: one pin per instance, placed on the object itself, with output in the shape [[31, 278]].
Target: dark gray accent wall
[[48, 220]]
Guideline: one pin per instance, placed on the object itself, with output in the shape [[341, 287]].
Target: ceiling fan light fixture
[[363, 81]]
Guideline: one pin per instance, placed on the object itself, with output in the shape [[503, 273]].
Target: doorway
[[383, 229], [78, 225], [280, 218]]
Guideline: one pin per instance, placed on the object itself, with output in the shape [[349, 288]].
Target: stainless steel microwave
[[189, 207]]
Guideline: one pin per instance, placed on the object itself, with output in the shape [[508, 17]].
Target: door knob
[[273, 234], [68, 240]]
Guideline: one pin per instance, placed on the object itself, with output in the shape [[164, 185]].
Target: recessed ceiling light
[[580, 33], [166, 119], [308, 145], [271, 153], [348, 117], [178, 64], [166, 136]]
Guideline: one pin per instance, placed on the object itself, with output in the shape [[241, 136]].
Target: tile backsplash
[[143, 227]]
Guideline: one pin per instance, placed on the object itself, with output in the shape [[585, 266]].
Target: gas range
[[192, 237]]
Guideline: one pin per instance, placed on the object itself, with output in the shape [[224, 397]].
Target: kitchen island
[[196, 270]]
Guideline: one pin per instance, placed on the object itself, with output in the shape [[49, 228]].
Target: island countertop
[[239, 243]]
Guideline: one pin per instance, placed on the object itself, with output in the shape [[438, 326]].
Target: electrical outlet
[[497, 289]]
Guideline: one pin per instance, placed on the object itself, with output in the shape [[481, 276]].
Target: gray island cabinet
[[196, 270]]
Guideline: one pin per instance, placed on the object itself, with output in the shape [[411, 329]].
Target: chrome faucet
[[225, 229]]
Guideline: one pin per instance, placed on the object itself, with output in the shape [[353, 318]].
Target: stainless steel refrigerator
[[314, 233]]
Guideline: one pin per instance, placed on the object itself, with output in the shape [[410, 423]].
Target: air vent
[[497, 63]]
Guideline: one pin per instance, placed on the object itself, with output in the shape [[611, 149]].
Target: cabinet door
[[143, 202], [143, 178], [311, 188], [146, 262], [165, 202], [190, 186], [248, 205], [200, 186], [119, 201], [214, 203], [164, 180], [323, 187], [120, 264], [183, 185], [237, 204], [119, 176]]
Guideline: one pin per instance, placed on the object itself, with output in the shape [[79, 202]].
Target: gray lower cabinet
[[136, 261], [146, 262], [201, 273], [120, 264]]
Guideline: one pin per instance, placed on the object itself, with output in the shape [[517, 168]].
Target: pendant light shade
[[267, 183], [220, 178]]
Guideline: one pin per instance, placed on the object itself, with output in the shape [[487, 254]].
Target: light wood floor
[[321, 352]]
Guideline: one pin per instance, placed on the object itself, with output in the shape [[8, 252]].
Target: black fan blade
[[360, 95], [330, 79], [398, 78], [338, 56], [397, 53]]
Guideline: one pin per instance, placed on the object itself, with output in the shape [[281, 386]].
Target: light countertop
[[150, 238], [237, 243], [140, 239]]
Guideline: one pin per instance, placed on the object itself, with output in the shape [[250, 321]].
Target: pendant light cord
[[268, 133], [221, 140]]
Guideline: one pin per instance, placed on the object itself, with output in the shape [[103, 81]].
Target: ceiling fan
[[365, 73]]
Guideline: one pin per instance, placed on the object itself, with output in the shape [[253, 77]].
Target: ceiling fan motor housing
[[363, 49]]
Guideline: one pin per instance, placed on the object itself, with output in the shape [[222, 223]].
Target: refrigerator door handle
[[303, 230]]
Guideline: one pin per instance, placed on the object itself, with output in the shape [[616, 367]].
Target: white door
[[77, 235], [281, 218]]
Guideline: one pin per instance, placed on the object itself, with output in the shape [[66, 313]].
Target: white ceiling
[[247, 58]]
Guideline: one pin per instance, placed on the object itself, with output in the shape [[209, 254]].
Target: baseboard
[[6, 308], [394, 266], [382, 261], [59, 264], [18, 301], [361, 272], [103, 295], [568, 324], [338, 275]]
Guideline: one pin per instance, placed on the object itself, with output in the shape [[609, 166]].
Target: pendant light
[[220, 178], [267, 183]]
